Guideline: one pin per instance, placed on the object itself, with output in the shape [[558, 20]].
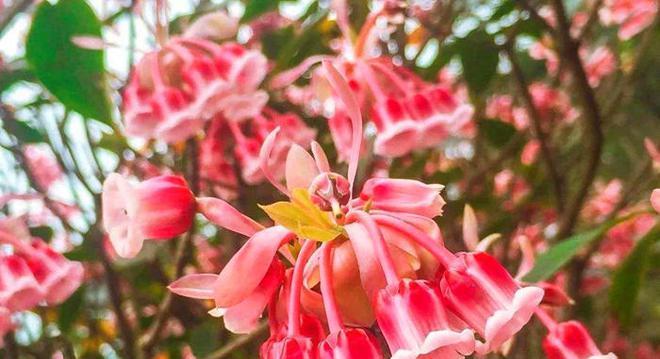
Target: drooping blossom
[[408, 113], [19, 290], [173, 91], [57, 276], [569, 340], [477, 280], [158, 208], [632, 16], [605, 200]]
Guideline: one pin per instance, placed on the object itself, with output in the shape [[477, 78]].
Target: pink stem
[[423, 239], [296, 287], [327, 290], [384, 256], [546, 319]]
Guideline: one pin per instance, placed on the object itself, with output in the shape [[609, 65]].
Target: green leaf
[[254, 8], [72, 74], [505, 8], [83, 252], [496, 132], [479, 58], [70, 310], [23, 132], [550, 261], [627, 280], [204, 338], [303, 218], [43, 232]]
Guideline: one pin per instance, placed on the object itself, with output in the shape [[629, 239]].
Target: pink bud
[[571, 340], [403, 195], [655, 199], [158, 208]]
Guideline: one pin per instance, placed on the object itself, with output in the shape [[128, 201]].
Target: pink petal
[[198, 286], [264, 157], [224, 215], [248, 266], [242, 318], [340, 86], [470, 230], [300, 168]]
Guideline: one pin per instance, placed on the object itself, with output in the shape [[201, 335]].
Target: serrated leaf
[[628, 277], [74, 75]]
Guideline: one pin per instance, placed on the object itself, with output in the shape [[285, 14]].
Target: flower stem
[[296, 287], [329, 300]]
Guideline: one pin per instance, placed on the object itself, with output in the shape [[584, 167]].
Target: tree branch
[[591, 113], [151, 336], [537, 130]]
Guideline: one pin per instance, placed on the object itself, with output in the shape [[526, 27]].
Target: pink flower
[[43, 165], [655, 199], [415, 324], [19, 290], [158, 208], [57, 276], [482, 293], [605, 200], [174, 91], [530, 152], [598, 64], [632, 16], [402, 195], [215, 169], [571, 340]]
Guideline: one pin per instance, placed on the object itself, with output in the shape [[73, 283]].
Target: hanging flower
[[159, 208]]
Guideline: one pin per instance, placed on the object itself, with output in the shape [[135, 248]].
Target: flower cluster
[[355, 261], [32, 274]]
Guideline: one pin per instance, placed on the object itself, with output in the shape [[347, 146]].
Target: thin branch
[[235, 344], [151, 336], [537, 130], [591, 20], [591, 114]]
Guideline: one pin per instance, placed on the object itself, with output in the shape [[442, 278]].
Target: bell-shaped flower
[[350, 343], [398, 133], [159, 208], [57, 276], [571, 340], [415, 324], [19, 290], [402, 195], [483, 294]]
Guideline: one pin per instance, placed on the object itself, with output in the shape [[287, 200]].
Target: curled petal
[[198, 286], [319, 156], [288, 77], [264, 156], [340, 86], [224, 215]]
